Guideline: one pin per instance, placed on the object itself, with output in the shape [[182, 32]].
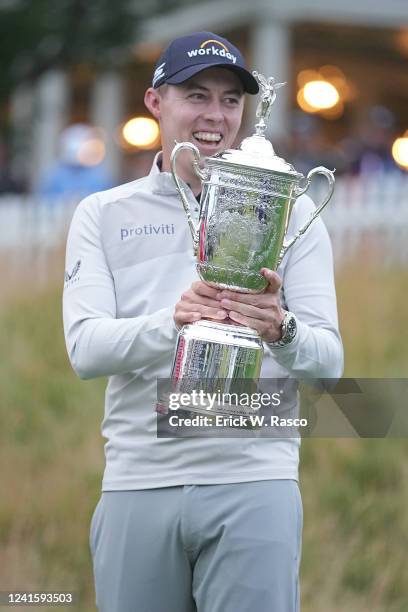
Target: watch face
[[290, 328]]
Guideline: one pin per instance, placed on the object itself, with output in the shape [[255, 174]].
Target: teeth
[[210, 137]]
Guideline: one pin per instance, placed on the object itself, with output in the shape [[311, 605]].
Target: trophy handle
[[329, 174], [179, 146]]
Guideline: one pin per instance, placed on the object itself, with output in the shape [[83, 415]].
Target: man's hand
[[199, 302], [261, 311]]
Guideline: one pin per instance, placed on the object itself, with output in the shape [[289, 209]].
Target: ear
[[152, 102]]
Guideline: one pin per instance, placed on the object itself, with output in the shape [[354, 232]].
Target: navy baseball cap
[[188, 55]]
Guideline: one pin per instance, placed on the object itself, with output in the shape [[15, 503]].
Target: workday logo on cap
[[188, 55], [207, 48]]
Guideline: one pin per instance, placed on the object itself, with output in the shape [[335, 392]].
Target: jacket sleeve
[[98, 343], [309, 292]]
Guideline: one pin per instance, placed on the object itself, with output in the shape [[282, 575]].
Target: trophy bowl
[[246, 201]]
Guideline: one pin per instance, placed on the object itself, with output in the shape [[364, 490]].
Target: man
[[79, 170], [188, 524]]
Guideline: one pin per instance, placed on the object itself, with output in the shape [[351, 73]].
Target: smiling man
[[198, 96], [206, 110], [190, 524]]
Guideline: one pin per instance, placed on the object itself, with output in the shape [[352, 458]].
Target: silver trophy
[[246, 201]]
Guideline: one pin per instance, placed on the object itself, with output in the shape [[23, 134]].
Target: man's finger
[[257, 300], [214, 313], [256, 324], [184, 317], [274, 280], [204, 311], [257, 311], [194, 299], [269, 331], [202, 288]]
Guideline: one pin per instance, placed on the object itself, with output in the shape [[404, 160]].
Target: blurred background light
[[91, 152], [401, 39], [321, 94], [400, 151], [305, 76], [141, 132], [323, 91]]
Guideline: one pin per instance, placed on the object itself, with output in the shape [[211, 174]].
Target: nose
[[213, 111]]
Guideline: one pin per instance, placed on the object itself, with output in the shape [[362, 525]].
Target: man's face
[[205, 110]]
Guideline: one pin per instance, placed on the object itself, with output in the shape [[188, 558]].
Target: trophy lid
[[256, 151]]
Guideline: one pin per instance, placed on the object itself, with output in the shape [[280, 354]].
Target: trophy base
[[209, 350], [214, 360]]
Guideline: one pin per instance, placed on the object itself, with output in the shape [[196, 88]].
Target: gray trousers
[[199, 548]]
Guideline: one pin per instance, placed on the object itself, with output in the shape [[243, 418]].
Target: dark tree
[[39, 34]]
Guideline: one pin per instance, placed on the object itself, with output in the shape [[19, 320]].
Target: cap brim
[[249, 83]]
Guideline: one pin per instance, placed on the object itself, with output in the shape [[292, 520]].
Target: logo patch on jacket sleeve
[[69, 278]]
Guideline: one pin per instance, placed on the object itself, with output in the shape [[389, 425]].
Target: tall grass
[[50, 451], [355, 491]]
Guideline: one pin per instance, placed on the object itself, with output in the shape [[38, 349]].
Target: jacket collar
[[162, 182]]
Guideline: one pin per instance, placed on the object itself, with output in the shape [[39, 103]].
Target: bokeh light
[[141, 132], [320, 94], [400, 151], [91, 152], [401, 39], [323, 91]]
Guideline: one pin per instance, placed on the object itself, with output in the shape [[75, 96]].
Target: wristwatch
[[289, 330]]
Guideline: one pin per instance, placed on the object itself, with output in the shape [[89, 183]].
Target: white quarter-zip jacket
[[129, 258]]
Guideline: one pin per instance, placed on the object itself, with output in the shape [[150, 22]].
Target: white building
[[367, 40]]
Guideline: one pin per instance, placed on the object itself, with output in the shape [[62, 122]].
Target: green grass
[[373, 318], [51, 454], [355, 491]]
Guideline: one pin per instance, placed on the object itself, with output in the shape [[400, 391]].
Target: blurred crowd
[[80, 168], [367, 152]]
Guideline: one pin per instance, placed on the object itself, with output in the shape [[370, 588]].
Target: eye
[[232, 101], [197, 96]]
